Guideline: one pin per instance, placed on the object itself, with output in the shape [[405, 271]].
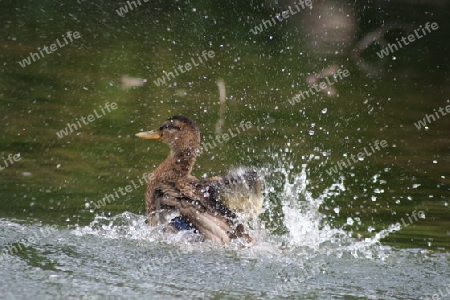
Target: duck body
[[200, 203]]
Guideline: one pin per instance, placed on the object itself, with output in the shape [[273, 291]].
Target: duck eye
[[170, 127]]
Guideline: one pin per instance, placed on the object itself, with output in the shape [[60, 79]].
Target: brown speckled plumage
[[172, 187]]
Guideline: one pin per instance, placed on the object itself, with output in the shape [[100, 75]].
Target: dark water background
[[57, 181]]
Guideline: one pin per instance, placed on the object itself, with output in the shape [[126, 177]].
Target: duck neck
[[179, 163]]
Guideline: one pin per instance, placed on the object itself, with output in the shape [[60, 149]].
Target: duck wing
[[216, 218], [207, 193], [239, 191], [199, 202], [206, 212]]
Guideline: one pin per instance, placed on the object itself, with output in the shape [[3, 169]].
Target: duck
[[209, 206]]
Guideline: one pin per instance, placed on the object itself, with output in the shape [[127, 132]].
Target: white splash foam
[[306, 226]]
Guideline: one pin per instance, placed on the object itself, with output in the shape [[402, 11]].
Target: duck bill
[[149, 135]]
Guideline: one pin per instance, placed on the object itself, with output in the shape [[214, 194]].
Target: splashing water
[[121, 255], [306, 227]]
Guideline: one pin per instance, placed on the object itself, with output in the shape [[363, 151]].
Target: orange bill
[[149, 135]]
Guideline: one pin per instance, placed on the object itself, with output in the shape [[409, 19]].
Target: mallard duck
[[206, 205]]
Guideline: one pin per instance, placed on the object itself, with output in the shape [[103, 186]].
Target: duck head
[[183, 137]]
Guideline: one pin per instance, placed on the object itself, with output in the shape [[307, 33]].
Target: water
[[120, 257], [334, 226]]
